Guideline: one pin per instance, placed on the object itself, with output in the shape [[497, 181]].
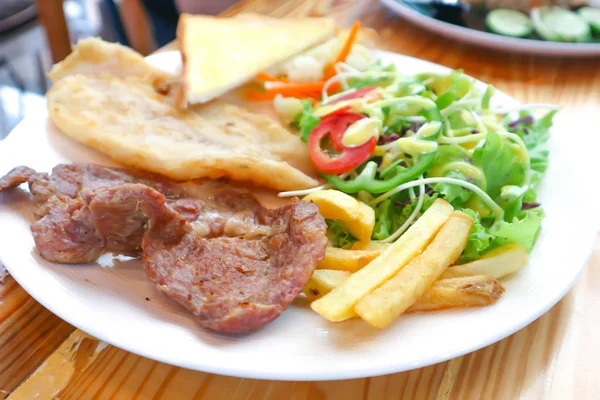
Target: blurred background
[[36, 33]]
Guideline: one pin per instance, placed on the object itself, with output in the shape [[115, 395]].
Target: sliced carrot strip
[[345, 50], [330, 71], [294, 89], [312, 90], [302, 86], [265, 77], [270, 95], [349, 42], [334, 87]]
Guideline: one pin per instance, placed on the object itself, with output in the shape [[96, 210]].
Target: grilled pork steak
[[235, 281], [67, 232], [15, 177], [68, 181], [210, 247]]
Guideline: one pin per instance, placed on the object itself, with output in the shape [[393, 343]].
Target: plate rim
[[489, 40], [363, 371]]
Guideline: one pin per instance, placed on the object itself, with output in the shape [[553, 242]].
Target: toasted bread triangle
[[220, 54]]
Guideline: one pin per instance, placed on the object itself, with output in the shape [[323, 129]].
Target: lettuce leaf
[[523, 229], [448, 153], [374, 79], [383, 220], [306, 120], [500, 164], [479, 241], [392, 213], [338, 235], [456, 81], [535, 134], [454, 194], [534, 184]]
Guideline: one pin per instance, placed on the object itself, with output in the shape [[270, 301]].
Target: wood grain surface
[[553, 358], [28, 334]]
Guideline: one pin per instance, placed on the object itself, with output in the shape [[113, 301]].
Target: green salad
[[398, 142]]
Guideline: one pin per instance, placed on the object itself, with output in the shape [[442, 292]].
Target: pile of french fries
[[378, 282]]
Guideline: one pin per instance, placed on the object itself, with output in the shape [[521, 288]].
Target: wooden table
[[555, 357]]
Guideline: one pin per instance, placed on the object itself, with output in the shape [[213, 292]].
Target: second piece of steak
[[232, 284], [66, 234]]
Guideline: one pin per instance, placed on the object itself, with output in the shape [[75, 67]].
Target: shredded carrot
[[300, 91], [264, 96], [330, 72], [311, 96], [302, 86], [335, 87], [345, 50], [311, 90], [265, 77], [349, 42]]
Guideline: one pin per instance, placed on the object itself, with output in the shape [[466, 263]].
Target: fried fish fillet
[[129, 118]]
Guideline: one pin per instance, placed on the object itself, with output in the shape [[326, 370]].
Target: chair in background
[[52, 17], [18, 33], [129, 25], [21, 61]]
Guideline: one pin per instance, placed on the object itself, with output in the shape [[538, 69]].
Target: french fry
[[346, 260], [468, 291], [371, 246], [338, 305], [356, 216], [385, 304], [324, 281], [497, 263]]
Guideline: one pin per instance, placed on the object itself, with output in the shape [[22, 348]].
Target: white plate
[[109, 302], [485, 39]]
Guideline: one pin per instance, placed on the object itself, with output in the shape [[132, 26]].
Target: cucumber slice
[[592, 16], [559, 24], [540, 27], [509, 22]]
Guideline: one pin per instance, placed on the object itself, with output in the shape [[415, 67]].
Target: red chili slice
[[345, 158]]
